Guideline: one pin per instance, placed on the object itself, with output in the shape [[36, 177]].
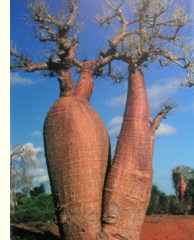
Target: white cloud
[[41, 179], [165, 129], [37, 171], [157, 94], [41, 162], [36, 133], [15, 78], [116, 120], [27, 151], [117, 101], [160, 93], [114, 132], [39, 174]]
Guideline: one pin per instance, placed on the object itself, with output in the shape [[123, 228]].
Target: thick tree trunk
[[76, 148], [128, 187]]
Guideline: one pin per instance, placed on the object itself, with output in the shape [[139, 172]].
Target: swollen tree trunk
[[76, 148], [128, 187]]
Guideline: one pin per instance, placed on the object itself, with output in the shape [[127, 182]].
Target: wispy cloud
[[160, 93], [165, 129], [36, 134], [117, 101], [16, 79], [41, 162], [37, 171], [27, 151], [157, 94], [41, 179], [39, 174], [116, 120], [114, 132]]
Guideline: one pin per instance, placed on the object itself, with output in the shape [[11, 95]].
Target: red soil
[[155, 228], [168, 228]]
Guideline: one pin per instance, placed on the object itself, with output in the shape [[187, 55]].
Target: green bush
[[160, 203], [154, 201], [163, 203], [40, 208], [36, 191], [174, 204]]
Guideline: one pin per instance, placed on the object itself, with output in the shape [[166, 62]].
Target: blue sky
[[32, 95]]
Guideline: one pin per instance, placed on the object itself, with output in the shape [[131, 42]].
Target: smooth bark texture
[[182, 189], [66, 83], [76, 147], [127, 191]]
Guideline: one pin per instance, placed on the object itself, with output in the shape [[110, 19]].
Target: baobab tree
[[94, 200], [181, 175]]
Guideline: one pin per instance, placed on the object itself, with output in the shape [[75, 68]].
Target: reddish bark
[[183, 186], [76, 148], [66, 83], [128, 186], [85, 84]]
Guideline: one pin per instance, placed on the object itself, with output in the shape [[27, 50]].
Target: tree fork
[[128, 187]]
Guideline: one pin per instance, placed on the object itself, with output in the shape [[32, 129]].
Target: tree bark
[[128, 187], [65, 83], [76, 149]]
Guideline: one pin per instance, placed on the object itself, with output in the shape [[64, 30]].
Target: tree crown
[[146, 30]]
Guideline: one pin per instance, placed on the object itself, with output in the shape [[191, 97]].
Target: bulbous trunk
[[128, 187], [76, 149]]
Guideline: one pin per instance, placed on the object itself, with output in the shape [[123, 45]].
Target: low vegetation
[[34, 208], [160, 203], [39, 207]]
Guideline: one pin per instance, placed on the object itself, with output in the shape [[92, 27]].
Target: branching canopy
[[150, 30], [147, 30]]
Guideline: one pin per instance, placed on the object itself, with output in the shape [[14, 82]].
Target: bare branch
[[154, 124], [25, 63], [142, 27], [40, 13], [72, 17], [51, 28], [190, 65], [117, 13], [112, 7], [179, 60]]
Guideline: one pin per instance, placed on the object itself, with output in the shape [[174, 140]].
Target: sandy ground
[[155, 228]]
